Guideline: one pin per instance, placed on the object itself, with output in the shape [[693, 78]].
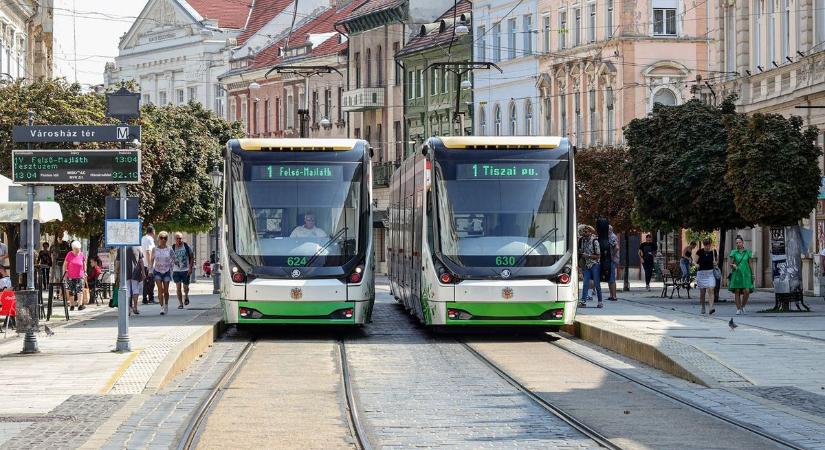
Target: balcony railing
[[382, 172], [363, 99]]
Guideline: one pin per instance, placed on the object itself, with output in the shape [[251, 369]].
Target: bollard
[[27, 318]]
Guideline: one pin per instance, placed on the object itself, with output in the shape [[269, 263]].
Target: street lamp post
[[217, 182]]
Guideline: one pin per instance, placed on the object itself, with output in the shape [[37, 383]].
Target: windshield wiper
[[533, 247], [331, 240]]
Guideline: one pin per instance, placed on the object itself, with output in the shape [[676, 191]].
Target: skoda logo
[[296, 273], [505, 273]]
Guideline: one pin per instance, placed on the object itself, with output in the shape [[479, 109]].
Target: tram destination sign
[[76, 166], [76, 133]]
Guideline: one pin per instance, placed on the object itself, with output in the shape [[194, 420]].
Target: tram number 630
[[506, 261]]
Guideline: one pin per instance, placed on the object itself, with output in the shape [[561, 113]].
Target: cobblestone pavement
[[790, 424], [415, 390]]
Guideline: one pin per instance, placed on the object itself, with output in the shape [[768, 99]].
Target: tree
[[180, 146]]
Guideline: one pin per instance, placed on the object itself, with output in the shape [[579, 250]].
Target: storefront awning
[[44, 212]]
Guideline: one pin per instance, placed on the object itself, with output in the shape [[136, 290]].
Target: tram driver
[[308, 229]]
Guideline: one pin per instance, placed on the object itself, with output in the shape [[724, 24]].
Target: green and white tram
[[297, 241], [482, 232]]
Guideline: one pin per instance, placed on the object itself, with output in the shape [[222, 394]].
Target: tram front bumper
[[503, 313], [285, 312]]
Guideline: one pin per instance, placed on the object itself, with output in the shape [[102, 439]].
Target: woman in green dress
[[741, 275]]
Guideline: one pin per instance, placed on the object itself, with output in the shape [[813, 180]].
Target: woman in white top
[[161, 262]]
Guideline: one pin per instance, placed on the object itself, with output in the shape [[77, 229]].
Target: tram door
[[418, 216]]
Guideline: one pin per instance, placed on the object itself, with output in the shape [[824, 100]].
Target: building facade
[[429, 103], [604, 63], [772, 54], [26, 39]]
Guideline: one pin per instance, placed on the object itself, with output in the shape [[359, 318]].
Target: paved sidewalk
[[77, 374]]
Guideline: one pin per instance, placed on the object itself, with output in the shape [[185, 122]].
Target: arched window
[[379, 67], [498, 120], [665, 97], [513, 119], [368, 64], [482, 122], [528, 118]]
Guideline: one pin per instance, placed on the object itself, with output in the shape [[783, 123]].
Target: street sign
[[76, 133], [41, 194], [76, 166], [122, 232]]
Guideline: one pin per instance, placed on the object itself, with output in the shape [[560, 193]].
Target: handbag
[[717, 273]]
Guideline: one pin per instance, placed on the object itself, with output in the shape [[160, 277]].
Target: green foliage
[[678, 161], [180, 146], [699, 236], [773, 168], [603, 187]]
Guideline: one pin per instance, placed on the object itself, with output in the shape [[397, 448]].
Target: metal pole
[[124, 302], [30, 340], [216, 273], [458, 102]]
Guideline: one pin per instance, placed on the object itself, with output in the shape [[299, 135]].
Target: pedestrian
[[207, 269], [5, 281], [740, 281], [647, 253], [613, 262], [213, 262], [74, 272], [135, 275], [182, 272], [590, 254], [94, 276], [147, 243], [708, 261], [44, 262], [162, 260], [686, 261], [4, 255]]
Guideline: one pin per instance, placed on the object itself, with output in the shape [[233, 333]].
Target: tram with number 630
[[482, 232], [297, 232]]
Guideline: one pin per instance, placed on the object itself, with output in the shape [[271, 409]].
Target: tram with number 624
[[296, 246], [482, 231]]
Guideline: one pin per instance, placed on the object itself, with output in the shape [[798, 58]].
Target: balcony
[[382, 172], [363, 99]]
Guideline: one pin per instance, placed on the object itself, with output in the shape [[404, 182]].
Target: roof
[[262, 13], [371, 7], [228, 13], [297, 144], [463, 142], [436, 37]]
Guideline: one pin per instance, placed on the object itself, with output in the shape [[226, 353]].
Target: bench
[[673, 279]]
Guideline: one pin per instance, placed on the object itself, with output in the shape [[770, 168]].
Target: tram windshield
[[295, 214], [508, 213]]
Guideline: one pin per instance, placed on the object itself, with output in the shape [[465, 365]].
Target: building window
[[340, 104], [594, 128], [497, 122], [357, 133], [664, 17], [419, 76], [233, 109], [481, 46], [591, 22], [327, 103], [290, 112], [267, 116], [527, 21], [785, 31], [609, 19], [379, 67], [513, 120], [162, 98], [357, 70], [578, 111], [181, 98], [819, 19], [434, 81], [562, 30], [368, 67], [511, 38], [445, 86], [397, 71], [730, 39], [219, 100], [411, 76], [255, 118], [367, 136], [608, 100], [379, 147], [770, 41], [577, 26], [757, 33], [497, 42], [482, 121], [545, 34], [547, 116], [664, 97], [563, 115], [193, 94], [314, 106], [528, 118], [396, 131], [245, 114]]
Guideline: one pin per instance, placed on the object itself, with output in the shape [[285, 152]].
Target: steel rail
[[357, 428]]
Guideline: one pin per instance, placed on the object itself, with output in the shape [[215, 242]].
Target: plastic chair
[[8, 308]]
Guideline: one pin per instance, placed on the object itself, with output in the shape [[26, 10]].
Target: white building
[[505, 34], [176, 49], [26, 39]]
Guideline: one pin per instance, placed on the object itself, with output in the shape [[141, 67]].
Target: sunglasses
[[162, 238]]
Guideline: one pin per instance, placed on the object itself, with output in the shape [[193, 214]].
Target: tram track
[[193, 428], [356, 426], [580, 426], [745, 426]]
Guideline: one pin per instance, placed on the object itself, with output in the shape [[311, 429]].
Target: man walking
[[182, 268], [647, 253], [147, 244]]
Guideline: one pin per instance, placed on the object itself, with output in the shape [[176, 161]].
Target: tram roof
[[297, 144], [500, 142]]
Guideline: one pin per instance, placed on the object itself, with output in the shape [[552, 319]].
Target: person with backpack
[[182, 269], [135, 276], [590, 253]]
